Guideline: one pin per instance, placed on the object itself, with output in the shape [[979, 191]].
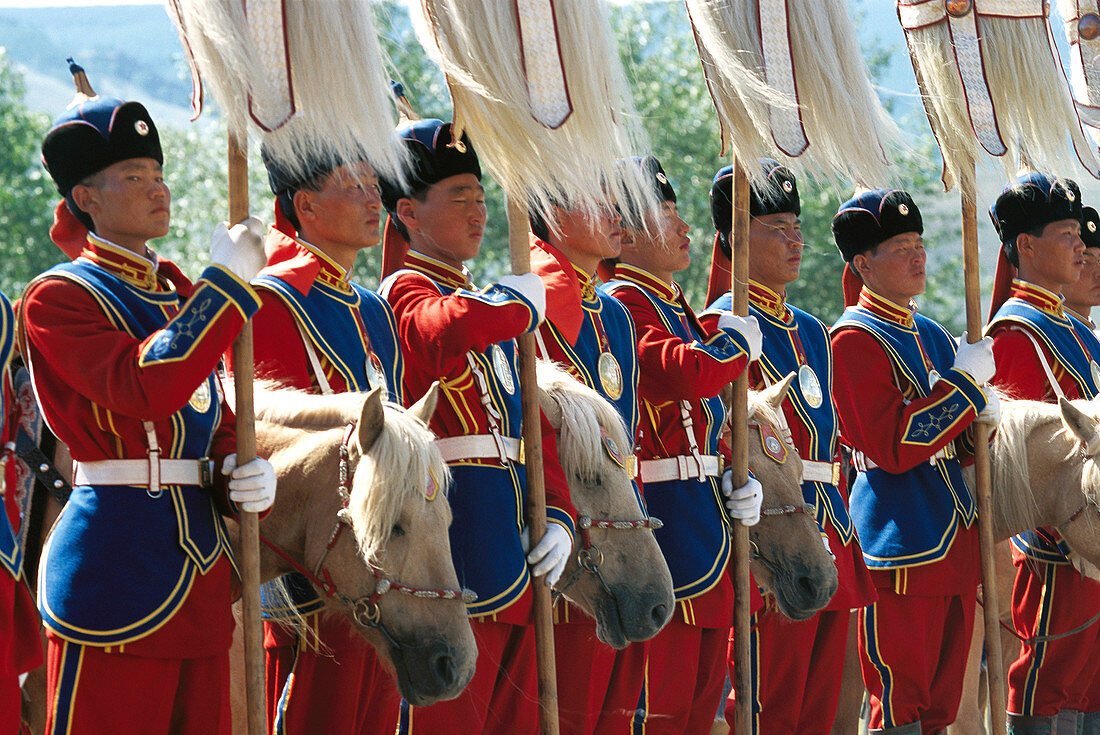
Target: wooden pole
[[995, 675], [739, 419], [249, 561], [519, 248]]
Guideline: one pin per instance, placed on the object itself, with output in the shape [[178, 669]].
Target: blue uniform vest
[[695, 539], [778, 359], [11, 550], [911, 518], [1064, 338], [157, 544]]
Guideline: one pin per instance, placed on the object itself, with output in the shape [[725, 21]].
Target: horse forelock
[[584, 412], [392, 477]]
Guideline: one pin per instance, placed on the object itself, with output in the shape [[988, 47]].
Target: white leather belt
[[479, 446], [136, 472], [863, 463], [827, 472], [682, 467]]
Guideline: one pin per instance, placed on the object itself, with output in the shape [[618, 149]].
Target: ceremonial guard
[[797, 666], [137, 577], [320, 332], [20, 643], [1044, 354], [905, 395], [463, 336], [683, 367], [1080, 297]]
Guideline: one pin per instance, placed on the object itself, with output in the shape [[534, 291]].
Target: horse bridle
[[589, 556], [366, 610], [780, 510]]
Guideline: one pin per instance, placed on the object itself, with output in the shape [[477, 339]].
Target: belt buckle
[[206, 472], [836, 474], [522, 454]]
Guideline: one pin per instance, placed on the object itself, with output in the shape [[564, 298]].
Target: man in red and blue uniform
[[1043, 354], [344, 339], [463, 336], [136, 578], [904, 395], [797, 665], [1079, 298], [683, 367], [20, 644]]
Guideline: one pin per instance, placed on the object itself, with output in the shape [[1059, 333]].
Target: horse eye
[[397, 530]]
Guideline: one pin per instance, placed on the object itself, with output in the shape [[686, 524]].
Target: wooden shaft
[[994, 664], [249, 562], [739, 419], [536, 486]]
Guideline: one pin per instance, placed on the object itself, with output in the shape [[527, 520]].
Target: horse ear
[[774, 394], [371, 420], [425, 407], [1080, 423], [551, 408]]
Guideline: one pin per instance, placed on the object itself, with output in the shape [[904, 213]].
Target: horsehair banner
[[303, 75], [788, 74], [1081, 21], [984, 68], [553, 128]]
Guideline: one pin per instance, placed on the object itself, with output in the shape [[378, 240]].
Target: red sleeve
[[277, 349], [148, 379], [671, 369], [874, 417], [1019, 374], [439, 330]]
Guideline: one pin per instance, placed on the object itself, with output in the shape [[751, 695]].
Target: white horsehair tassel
[[272, 104], [542, 62], [1082, 25], [775, 43]]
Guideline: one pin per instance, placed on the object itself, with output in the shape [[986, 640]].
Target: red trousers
[[598, 687], [92, 692], [502, 698], [797, 668], [685, 674], [339, 687], [1048, 599], [20, 646], [913, 655]]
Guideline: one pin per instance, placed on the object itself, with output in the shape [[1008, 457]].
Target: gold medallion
[[375, 375], [200, 399], [810, 386], [611, 375], [503, 370]]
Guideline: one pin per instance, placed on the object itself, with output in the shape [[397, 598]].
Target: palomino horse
[[350, 462], [617, 574]]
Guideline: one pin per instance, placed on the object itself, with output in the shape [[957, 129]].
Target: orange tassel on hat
[[67, 232], [394, 248], [852, 285], [1002, 283], [721, 273]]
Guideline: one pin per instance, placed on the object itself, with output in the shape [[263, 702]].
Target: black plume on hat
[[776, 193], [433, 156], [873, 217], [1033, 201], [1090, 227], [95, 134], [651, 176]]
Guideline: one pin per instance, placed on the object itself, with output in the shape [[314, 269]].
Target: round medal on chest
[[810, 386], [503, 370], [1095, 369], [933, 378], [200, 399], [611, 375], [375, 374]]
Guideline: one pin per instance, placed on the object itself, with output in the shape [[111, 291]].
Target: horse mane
[[391, 476], [583, 412], [1011, 474]]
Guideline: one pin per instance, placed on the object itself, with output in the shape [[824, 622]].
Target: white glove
[[748, 327], [550, 555], [991, 414], [251, 486], [742, 504], [530, 286], [239, 248], [976, 360]]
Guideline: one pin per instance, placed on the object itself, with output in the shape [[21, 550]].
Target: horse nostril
[[659, 614], [443, 667], [808, 587]]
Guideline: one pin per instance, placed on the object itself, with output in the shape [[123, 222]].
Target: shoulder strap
[[1043, 361], [314, 361]]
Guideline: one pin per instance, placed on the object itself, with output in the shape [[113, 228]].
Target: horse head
[[362, 508], [617, 573], [788, 556]]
